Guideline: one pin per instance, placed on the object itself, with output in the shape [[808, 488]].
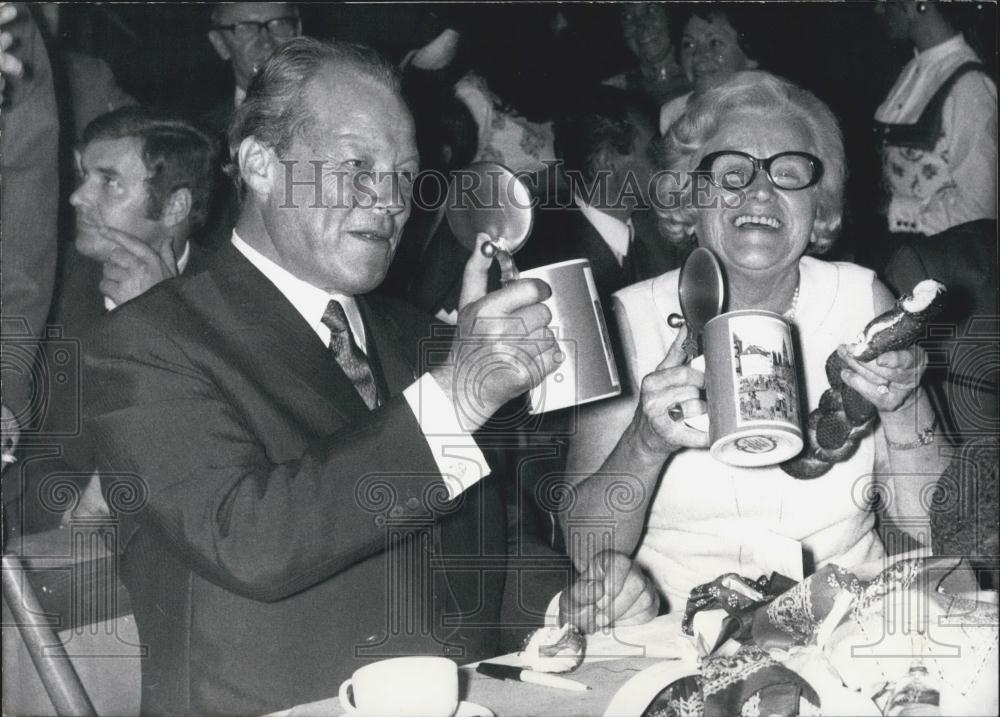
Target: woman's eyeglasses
[[730, 169], [280, 28]]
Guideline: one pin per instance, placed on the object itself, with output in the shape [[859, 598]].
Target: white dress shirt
[[957, 182], [615, 233], [455, 452]]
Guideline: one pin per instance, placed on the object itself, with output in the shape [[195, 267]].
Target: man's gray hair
[[277, 102]]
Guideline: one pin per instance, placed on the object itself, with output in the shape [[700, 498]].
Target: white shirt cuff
[[904, 215], [458, 458]]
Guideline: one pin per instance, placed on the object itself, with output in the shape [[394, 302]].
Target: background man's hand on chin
[[134, 267]]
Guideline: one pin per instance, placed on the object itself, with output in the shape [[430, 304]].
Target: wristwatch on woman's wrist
[[924, 437]]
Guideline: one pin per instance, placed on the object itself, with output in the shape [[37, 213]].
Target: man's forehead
[[231, 13], [119, 152], [339, 92]]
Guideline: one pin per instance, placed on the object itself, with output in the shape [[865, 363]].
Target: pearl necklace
[[790, 314]]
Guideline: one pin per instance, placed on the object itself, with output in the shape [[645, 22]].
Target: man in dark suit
[[606, 219], [307, 492], [144, 185]]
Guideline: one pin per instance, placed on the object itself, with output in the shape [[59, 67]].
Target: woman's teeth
[[745, 219]]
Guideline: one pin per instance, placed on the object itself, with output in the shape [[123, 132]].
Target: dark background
[[160, 55]]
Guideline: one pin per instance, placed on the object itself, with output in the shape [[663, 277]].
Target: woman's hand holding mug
[[658, 427]]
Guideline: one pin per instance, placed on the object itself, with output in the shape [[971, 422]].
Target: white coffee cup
[[403, 687]]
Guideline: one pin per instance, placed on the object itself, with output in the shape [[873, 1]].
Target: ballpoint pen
[[513, 672]]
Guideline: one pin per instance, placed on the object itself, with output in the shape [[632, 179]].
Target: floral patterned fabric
[[834, 643], [749, 683], [737, 596], [504, 136]]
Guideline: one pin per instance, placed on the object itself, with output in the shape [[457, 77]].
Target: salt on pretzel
[[836, 427]]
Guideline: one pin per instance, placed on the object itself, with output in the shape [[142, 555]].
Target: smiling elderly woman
[[774, 160]]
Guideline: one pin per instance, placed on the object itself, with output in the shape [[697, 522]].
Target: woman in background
[[714, 46], [657, 77]]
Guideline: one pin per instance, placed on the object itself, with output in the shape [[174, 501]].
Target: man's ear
[[258, 166], [221, 49], [177, 208]]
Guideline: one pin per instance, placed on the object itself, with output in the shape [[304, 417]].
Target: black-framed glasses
[[280, 28], [730, 169]]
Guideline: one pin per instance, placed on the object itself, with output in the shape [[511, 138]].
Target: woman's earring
[[921, 7]]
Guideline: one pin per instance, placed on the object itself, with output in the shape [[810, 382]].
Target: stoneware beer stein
[[752, 389]]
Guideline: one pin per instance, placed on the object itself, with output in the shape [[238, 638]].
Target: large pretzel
[[836, 427]]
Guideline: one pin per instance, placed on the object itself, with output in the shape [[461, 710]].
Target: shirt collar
[[614, 232], [185, 258], [941, 50], [181, 266], [308, 300]]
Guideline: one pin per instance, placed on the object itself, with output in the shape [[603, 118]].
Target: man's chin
[[93, 247]]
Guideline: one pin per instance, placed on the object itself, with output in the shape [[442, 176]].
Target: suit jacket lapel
[[275, 332]]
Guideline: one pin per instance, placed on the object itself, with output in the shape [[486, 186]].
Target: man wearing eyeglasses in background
[[244, 34]]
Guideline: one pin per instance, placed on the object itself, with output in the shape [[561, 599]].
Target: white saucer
[[465, 709], [471, 709]]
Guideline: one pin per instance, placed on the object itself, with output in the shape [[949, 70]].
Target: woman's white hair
[[680, 150]]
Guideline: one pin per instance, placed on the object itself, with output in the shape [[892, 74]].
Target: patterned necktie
[[347, 353]]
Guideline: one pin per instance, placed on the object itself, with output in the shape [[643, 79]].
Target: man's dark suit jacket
[[77, 307], [266, 495], [78, 303]]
